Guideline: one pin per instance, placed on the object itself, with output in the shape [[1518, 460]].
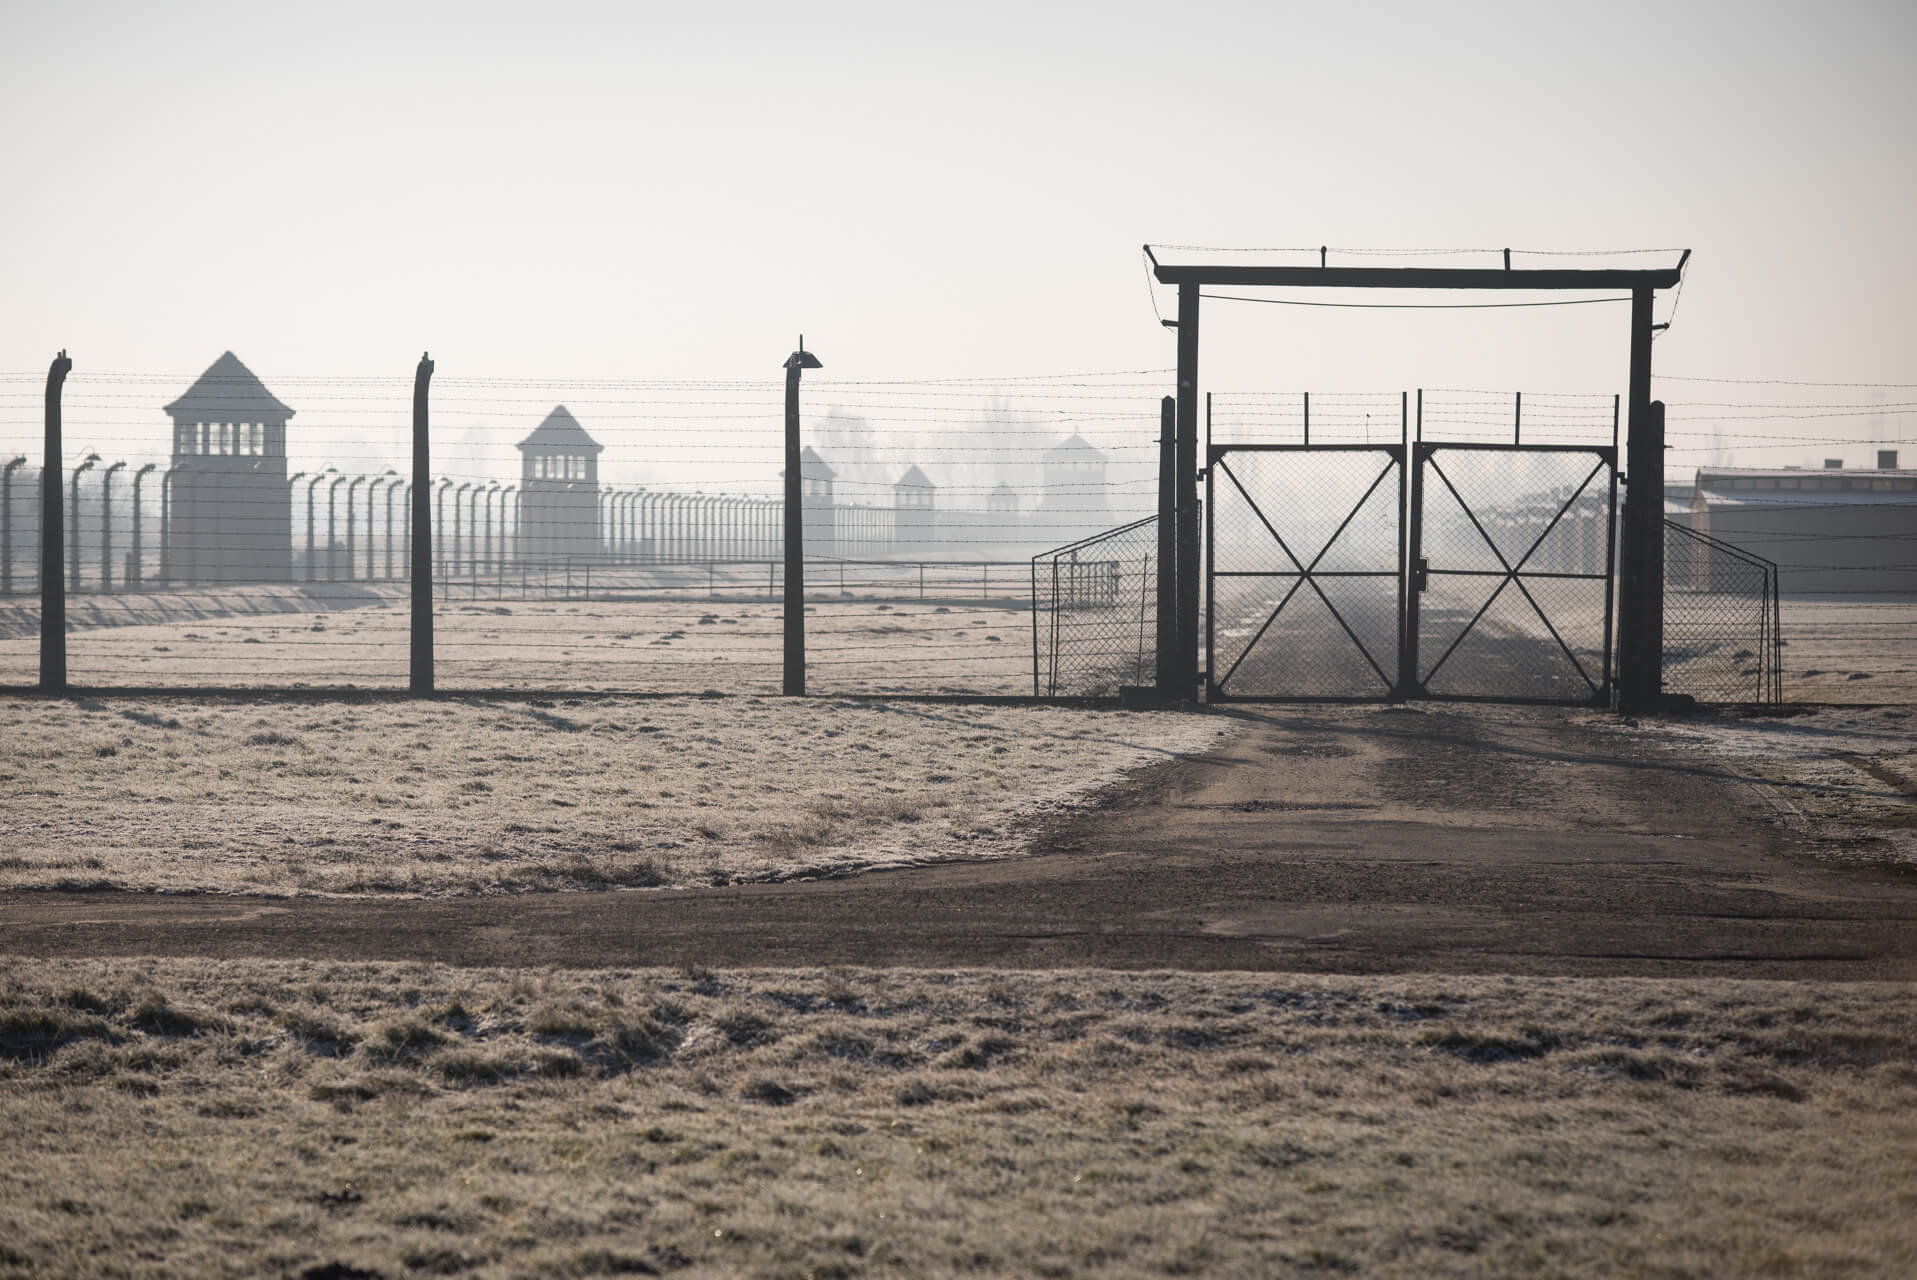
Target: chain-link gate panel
[[1721, 641], [1511, 570], [1094, 611], [1304, 571]]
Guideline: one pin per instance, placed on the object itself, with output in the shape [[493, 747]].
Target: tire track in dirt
[[1366, 840]]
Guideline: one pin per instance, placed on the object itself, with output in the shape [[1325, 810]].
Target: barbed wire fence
[[587, 535], [271, 548]]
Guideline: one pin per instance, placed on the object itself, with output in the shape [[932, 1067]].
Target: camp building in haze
[[229, 513], [1839, 530]]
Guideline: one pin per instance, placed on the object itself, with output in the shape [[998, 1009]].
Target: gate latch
[[1421, 576]]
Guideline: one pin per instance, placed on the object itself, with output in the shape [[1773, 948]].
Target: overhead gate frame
[[1640, 631]]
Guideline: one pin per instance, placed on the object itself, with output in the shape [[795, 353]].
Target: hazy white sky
[[627, 190]]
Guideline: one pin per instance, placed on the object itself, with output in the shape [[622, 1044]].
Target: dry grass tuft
[[209, 1119]]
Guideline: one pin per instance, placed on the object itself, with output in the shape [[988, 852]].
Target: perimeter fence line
[[269, 536], [201, 515]]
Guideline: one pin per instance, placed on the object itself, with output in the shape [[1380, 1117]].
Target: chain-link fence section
[[1722, 632], [1094, 607]]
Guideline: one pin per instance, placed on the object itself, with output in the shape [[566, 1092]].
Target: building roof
[[812, 466], [228, 390], [914, 479], [1074, 448], [1793, 487], [561, 430]]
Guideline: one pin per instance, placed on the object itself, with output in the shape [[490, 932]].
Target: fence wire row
[[234, 528], [248, 529]]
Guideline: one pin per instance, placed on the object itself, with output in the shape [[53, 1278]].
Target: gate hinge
[[1202, 471]]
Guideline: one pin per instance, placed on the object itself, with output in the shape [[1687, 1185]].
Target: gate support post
[[1411, 545], [1641, 602], [422, 658], [1184, 685], [1166, 675], [53, 585]]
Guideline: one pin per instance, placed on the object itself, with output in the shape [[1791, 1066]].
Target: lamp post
[[73, 523], [794, 683]]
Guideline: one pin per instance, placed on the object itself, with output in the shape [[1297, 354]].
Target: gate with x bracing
[[1414, 570]]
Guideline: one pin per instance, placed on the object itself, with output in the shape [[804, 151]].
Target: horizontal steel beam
[[1417, 277]]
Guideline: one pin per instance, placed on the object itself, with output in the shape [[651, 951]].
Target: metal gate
[[1304, 571], [1511, 560], [1486, 572]]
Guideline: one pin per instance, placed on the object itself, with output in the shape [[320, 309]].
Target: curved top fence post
[[53, 585], [422, 637]]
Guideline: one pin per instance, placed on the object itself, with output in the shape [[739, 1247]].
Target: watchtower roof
[[813, 467], [561, 431], [1074, 448], [228, 391], [914, 479]]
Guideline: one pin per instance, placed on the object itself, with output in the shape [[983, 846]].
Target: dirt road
[[1366, 840]]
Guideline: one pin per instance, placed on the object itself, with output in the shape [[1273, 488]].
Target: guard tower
[[559, 489], [914, 513], [230, 514], [815, 500], [1074, 501]]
